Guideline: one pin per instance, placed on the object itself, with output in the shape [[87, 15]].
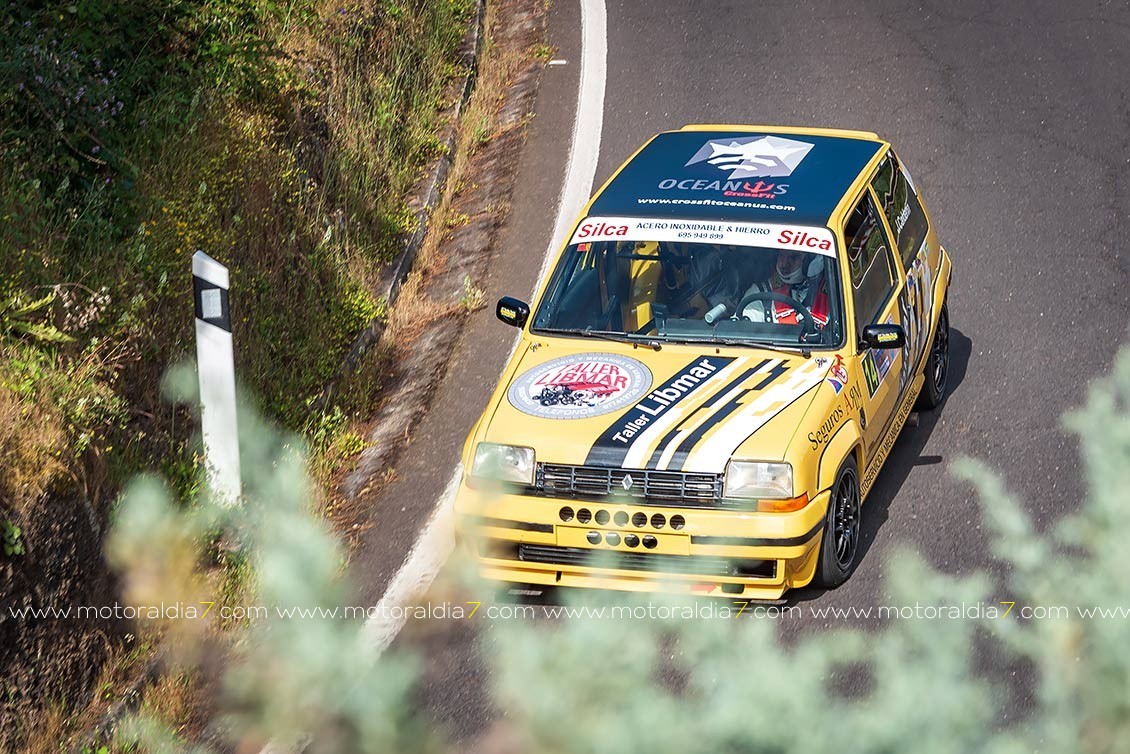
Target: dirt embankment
[[53, 660]]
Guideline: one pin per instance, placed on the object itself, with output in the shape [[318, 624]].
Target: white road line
[[437, 540], [587, 126], [419, 570]]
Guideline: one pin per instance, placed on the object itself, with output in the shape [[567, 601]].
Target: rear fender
[[941, 289]]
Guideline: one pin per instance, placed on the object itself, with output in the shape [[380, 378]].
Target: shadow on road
[[906, 454]]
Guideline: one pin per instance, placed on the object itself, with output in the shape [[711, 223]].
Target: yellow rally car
[[715, 370]]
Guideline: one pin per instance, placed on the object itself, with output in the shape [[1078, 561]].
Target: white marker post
[[215, 366]]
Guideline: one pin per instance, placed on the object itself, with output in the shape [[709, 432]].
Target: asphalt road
[[1014, 119]]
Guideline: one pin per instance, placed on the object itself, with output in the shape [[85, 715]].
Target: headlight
[[503, 463], [759, 479]]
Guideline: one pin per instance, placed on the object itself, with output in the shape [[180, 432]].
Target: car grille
[[699, 565], [677, 488]]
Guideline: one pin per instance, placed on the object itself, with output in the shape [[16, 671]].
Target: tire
[[839, 546], [937, 365]]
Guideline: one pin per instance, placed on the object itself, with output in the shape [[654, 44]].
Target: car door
[[875, 286], [907, 221]]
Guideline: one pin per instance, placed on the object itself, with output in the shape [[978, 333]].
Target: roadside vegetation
[[918, 683], [282, 138]]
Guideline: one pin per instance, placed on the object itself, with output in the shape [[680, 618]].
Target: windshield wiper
[[804, 351], [616, 337]]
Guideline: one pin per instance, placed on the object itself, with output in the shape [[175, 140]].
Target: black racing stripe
[[698, 539], [667, 438], [688, 444], [502, 523], [734, 383], [609, 451], [779, 410], [654, 460], [779, 369]]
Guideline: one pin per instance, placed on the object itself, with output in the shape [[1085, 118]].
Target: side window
[[869, 262], [901, 206]]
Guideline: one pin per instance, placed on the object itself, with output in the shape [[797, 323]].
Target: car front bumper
[[737, 554]]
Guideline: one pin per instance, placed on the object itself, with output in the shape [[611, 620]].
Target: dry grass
[[32, 439], [57, 724], [179, 698], [51, 726], [181, 701], [415, 310], [481, 122]]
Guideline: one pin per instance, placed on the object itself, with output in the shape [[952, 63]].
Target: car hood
[[680, 409]]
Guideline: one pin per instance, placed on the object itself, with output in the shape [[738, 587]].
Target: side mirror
[[512, 311], [883, 336]]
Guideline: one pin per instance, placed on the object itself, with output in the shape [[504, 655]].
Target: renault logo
[[627, 482]]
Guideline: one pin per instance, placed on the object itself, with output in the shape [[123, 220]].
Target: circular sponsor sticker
[[580, 386]]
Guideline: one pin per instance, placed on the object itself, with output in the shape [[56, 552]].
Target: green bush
[[673, 684]]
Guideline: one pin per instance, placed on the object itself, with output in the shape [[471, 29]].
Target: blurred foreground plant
[[668, 684], [285, 678]]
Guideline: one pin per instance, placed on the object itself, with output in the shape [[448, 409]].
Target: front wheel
[[937, 366], [839, 547]]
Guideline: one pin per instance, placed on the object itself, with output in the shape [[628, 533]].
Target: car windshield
[[732, 283]]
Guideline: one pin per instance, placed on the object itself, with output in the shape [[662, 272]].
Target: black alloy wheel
[[937, 365], [839, 547]]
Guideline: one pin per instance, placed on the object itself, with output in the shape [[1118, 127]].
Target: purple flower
[[95, 149]]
